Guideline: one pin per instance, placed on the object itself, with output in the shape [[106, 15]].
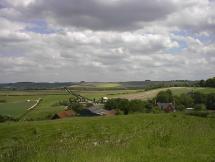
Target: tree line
[[196, 100], [207, 83]]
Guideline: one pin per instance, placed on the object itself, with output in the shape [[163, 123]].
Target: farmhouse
[[92, 111], [64, 114], [167, 107]]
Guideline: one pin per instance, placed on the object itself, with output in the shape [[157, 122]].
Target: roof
[[105, 98], [100, 111], [164, 105], [65, 114]]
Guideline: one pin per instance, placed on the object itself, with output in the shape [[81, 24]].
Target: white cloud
[[106, 41]]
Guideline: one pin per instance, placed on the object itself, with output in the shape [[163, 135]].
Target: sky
[[114, 40]]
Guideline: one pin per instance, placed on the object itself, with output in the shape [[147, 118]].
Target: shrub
[[156, 110], [3, 101], [180, 107], [210, 102], [77, 107], [200, 107], [6, 118]]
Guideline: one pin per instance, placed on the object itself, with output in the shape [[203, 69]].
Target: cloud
[[95, 40]]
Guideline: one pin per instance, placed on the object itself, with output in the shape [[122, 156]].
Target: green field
[[132, 138], [15, 109], [16, 104], [97, 86]]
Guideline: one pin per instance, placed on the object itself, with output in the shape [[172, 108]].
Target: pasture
[[16, 105], [15, 109], [132, 138]]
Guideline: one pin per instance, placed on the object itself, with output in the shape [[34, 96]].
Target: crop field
[[97, 86], [132, 138], [16, 100], [144, 95]]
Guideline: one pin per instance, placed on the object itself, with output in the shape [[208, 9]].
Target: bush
[[3, 101], [186, 100], [200, 107], [198, 97], [89, 104], [137, 106], [6, 118], [118, 103], [210, 102], [156, 110], [127, 106], [77, 107], [180, 107], [62, 103]]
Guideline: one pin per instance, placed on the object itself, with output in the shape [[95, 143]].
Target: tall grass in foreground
[[132, 138]]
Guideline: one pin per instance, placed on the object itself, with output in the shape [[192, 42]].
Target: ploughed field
[[132, 138]]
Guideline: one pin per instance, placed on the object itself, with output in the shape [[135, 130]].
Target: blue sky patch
[[39, 26]]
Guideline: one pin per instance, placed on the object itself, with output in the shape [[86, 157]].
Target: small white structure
[[28, 100], [104, 99], [189, 108]]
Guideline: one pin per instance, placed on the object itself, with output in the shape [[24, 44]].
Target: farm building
[[167, 107], [104, 99], [64, 114], [92, 111]]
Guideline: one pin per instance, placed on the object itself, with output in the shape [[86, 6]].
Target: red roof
[[65, 114]]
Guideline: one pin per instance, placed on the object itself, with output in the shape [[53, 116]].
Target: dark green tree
[[210, 102], [165, 96], [210, 82]]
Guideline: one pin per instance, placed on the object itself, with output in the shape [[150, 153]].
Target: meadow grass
[[15, 109], [132, 138]]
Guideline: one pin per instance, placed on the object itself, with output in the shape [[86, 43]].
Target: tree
[[165, 96], [202, 83], [118, 103], [210, 102], [198, 97], [137, 106], [76, 106], [210, 82], [186, 100]]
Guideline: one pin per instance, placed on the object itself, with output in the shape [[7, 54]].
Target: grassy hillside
[[132, 138]]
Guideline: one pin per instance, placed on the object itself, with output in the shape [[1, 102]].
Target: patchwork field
[[133, 138], [16, 100]]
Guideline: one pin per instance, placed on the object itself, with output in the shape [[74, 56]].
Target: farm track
[[37, 102]]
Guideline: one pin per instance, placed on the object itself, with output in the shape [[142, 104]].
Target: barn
[[64, 114], [167, 107], [92, 111]]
